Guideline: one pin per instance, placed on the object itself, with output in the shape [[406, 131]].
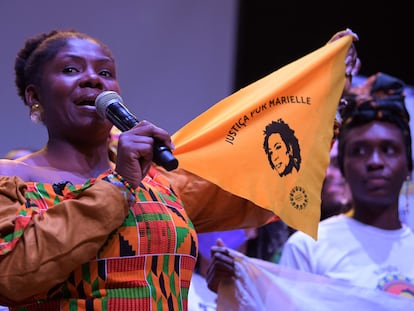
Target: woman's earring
[[405, 197], [407, 194], [36, 113]]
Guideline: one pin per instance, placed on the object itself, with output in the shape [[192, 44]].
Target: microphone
[[109, 105]]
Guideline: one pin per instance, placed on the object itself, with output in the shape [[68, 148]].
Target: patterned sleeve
[[47, 230]]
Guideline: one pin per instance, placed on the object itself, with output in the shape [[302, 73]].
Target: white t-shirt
[[357, 253]]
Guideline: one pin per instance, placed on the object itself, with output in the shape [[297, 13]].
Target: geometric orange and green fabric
[[145, 264]]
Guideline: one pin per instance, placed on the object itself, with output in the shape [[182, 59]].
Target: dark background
[[272, 34], [176, 58]]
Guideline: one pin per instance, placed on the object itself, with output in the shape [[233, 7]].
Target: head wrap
[[380, 98]]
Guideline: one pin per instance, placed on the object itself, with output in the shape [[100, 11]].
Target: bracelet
[[127, 191]]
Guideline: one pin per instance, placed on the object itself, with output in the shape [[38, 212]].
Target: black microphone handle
[[124, 121]]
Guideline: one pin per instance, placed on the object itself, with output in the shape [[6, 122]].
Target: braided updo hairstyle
[[40, 49]]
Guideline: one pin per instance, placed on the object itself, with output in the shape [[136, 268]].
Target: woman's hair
[[381, 98], [40, 49]]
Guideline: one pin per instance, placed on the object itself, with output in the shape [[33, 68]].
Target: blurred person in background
[[335, 195], [200, 297], [372, 248], [264, 243]]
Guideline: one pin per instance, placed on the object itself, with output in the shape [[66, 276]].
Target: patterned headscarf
[[380, 98]]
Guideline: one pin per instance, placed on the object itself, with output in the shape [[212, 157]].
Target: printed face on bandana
[[280, 155]]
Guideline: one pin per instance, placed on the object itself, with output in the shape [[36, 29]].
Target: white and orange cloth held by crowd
[[225, 144], [262, 285]]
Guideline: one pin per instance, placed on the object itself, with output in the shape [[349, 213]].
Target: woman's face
[[375, 163], [70, 83], [279, 152]]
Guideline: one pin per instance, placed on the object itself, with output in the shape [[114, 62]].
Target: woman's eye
[[70, 70], [357, 151], [106, 73], [389, 150]]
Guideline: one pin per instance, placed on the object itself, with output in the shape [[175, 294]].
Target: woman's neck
[[386, 218], [88, 161]]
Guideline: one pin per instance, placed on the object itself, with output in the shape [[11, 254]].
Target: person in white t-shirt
[[372, 248]]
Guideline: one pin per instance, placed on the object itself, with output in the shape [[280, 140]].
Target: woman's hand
[[352, 62], [135, 151], [221, 266]]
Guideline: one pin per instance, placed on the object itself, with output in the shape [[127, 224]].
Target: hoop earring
[[406, 209]]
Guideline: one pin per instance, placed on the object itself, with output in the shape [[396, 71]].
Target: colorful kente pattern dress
[[144, 264]]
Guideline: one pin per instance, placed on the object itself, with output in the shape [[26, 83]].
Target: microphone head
[[104, 99]]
